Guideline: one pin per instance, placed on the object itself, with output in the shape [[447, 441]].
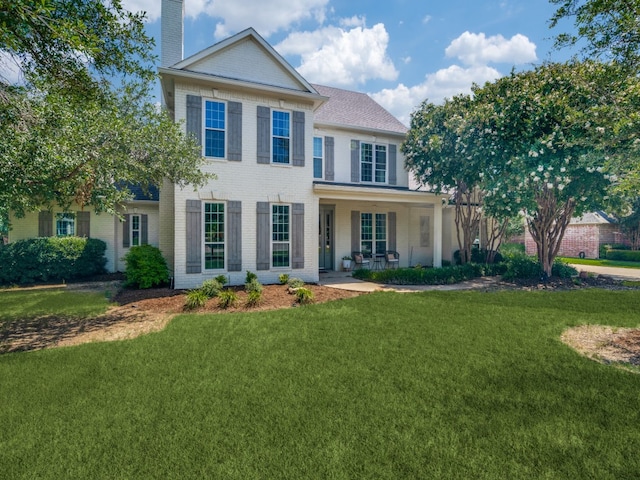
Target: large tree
[[82, 124]]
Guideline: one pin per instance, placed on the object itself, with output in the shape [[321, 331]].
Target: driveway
[[615, 272]]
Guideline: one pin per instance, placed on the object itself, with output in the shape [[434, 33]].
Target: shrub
[[227, 298], [430, 276], [250, 277], [145, 267], [624, 255], [195, 299], [254, 298], [222, 279], [253, 286], [562, 270], [211, 287], [283, 278], [304, 296], [522, 266], [295, 282], [510, 249], [51, 258]]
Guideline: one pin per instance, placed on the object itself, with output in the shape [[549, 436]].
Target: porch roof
[[384, 193]]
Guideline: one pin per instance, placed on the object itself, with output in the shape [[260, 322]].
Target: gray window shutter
[[263, 239], [391, 234], [329, 161], [355, 161], [393, 177], [126, 227], [83, 224], [234, 236], [144, 229], [45, 224], [234, 149], [264, 135], [194, 236], [298, 139], [355, 231], [297, 235], [194, 117]]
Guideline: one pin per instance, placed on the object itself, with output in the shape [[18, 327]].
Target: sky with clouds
[[400, 52]]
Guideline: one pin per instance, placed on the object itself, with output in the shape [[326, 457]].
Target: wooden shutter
[[126, 227], [355, 161], [264, 135], [355, 231], [83, 224], [329, 162], [234, 149], [194, 117], [393, 175], [297, 235], [234, 236], [391, 234], [194, 236], [144, 229], [263, 237], [298, 139], [45, 224]]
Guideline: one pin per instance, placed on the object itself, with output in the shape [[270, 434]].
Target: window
[[317, 157], [281, 122], [373, 163], [214, 236], [280, 238], [65, 224], [214, 129], [373, 237], [135, 230]]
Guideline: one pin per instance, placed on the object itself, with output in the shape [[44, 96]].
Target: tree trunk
[[467, 220], [495, 234], [548, 225]]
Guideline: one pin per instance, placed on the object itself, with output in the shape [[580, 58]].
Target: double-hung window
[[135, 230], [373, 233], [214, 129], [281, 137], [373, 163], [280, 236], [65, 224], [317, 157], [214, 236]]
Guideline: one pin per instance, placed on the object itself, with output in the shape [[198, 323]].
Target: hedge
[[429, 276], [624, 255], [48, 259]]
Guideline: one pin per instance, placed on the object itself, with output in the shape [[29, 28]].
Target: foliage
[[508, 249], [254, 297], [227, 298], [221, 278], [624, 255], [520, 266], [283, 278], [196, 298], [479, 256], [250, 277], [430, 276], [253, 285], [295, 282], [211, 287], [145, 267], [304, 295], [51, 258]]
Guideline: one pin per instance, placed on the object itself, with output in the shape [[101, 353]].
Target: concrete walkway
[[614, 272]]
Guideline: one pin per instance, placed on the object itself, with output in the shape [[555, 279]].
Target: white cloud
[[150, 7], [426, 19], [477, 49], [10, 68], [445, 83], [336, 56]]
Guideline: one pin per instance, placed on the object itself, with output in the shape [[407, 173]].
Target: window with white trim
[[281, 137], [214, 236], [280, 236], [135, 233], [318, 157], [373, 163], [373, 233], [214, 129], [65, 224]]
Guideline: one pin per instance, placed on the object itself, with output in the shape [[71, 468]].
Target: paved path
[[615, 272]]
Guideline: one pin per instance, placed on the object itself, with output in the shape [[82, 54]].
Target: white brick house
[[305, 173]]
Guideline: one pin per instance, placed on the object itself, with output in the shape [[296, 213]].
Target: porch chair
[[392, 259], [360, 260]]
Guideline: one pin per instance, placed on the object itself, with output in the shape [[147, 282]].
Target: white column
[[437, 234]]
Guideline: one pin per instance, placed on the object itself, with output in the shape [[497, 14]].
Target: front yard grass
[[385, 386]]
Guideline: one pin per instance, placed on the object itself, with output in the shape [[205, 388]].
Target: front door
[[325, 238]]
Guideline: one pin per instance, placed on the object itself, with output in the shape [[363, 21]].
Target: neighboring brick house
[[305, 173]]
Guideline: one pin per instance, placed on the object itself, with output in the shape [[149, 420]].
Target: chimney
[[172, 32]]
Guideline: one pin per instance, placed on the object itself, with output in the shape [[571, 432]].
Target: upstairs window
[[317, 157], [373, 163], [214, 129], [65, 224], [135, 230], [281, 137]]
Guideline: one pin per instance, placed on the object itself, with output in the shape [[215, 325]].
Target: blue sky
[[400, 52]]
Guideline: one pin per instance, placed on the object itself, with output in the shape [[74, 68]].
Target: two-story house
[[305, 173]]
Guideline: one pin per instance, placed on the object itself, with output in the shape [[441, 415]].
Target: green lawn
[[383, 386], [601, 262]]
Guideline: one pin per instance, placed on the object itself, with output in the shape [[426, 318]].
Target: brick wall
[[577, 238]]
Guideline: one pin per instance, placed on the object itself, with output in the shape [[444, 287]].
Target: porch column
[[437, 234]]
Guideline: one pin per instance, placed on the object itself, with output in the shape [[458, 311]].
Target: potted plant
[[346, 263]]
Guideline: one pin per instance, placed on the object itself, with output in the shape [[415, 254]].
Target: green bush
[[254, 298], [253, 286], [430, 276], [222, 279], [509, 249], [195, 299], [283, 278], [250, 277], [624, 255], [211, 287], [526, 267], [227, 298], [145, 267], [295, 282], [304, 296], [48, 259]]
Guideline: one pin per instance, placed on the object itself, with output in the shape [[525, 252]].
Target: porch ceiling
[[333, 191]]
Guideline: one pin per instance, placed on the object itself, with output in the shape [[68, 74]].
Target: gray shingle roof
[[354, 109]]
